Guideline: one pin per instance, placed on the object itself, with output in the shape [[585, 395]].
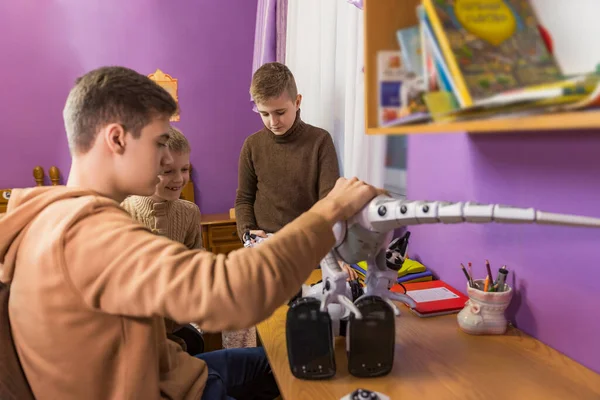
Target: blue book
[[361, 272], [409, 40], [418, 277]]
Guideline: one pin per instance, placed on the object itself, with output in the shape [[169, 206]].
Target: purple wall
[[554, 269], [207, 45]]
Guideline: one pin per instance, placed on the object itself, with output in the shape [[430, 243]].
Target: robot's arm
[[384, 213], [365, 233]]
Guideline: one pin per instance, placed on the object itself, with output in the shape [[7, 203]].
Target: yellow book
[[408, 267], [490, 46]]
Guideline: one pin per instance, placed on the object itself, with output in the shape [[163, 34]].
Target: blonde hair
[[270, 81], [177, 142]]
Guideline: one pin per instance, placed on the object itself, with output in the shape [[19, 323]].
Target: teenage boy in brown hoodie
[[90, 287]]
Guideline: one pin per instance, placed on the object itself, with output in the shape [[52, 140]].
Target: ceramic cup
[[483, 313]]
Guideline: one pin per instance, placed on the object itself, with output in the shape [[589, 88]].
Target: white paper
[[434, 294]]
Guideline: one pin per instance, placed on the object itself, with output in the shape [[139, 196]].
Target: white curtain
[[324, 51]]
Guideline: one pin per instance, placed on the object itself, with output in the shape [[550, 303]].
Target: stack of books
[[476, 59], [411, 271]]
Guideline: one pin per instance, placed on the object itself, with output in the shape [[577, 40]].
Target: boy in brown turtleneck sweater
[[287, 166]]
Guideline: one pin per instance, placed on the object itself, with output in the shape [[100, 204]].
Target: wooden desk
[[435, 360], [219, 236], [219, 233]]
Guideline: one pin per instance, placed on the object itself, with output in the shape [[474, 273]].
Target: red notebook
[[433, 297]]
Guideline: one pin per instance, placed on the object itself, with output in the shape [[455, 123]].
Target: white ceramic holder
[[483, 313]]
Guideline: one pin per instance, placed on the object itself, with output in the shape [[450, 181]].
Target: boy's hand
[[253, 234], [346, 198], [259, 233], [352, 274]]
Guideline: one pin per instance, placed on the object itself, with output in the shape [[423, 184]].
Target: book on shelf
[[400, 91], [491, 46], [479, 59]]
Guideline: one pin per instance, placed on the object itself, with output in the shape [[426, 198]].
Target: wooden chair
[[13, 383], [38, 177]]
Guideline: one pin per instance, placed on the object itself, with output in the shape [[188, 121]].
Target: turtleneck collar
[[295, 130]]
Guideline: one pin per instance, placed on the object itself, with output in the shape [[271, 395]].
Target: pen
[[469, 280], [489, 270], [470, 270], [502, 273]]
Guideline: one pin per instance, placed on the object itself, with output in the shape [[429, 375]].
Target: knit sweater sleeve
[[329, 169], [246, 192], [193, 237], [128, 205]]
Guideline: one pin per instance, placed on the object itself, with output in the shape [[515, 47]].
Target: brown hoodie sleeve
[[329, 168], [246, 192], [119, 267]]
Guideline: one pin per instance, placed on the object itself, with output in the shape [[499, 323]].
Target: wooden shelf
[[546, 122], [382, 18]]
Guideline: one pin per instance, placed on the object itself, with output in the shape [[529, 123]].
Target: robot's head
[[396, 252]]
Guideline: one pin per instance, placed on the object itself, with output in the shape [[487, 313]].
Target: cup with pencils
[[488, 299]]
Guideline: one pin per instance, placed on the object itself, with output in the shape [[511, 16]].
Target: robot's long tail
[[547, 218], [384, 214]]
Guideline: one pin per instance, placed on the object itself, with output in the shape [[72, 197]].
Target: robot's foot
[[309, 338], [377, 316]]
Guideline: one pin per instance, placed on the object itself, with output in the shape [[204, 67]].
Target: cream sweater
[[178, 220]]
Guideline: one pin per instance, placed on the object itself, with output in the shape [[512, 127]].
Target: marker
[[502, 273], [469, 280], [489, 270], [470, 270]]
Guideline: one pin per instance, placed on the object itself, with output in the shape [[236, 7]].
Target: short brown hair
[[270, 80], [177, 142], [112, 95]]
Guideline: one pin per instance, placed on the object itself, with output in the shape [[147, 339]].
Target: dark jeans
[[240, 374]]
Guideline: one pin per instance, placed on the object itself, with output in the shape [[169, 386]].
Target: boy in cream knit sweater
[[165, 213], [168, 215]]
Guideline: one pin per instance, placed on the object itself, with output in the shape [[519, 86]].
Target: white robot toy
[[314, 319]]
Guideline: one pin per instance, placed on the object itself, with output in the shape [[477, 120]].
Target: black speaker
[[370, 341], [309, 339]]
